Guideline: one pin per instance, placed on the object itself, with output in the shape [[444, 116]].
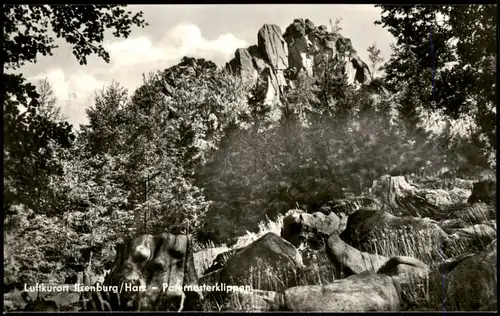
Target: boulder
[[348, 260], [459, 195], [39, 305], [483, 191], [205, 258], [471, 285], [471, 238], [8, 306], [403, 265], [270, 263], [358, 293], [300, 227], [347, 206], [149, 262], [368, 228]]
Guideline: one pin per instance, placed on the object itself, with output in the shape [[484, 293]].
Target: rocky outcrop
[[359, 293], [303, 47]]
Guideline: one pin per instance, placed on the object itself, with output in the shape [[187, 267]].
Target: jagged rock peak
[[303, 47]]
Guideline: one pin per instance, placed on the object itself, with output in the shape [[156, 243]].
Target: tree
[[439, 63], [48, 102], [375, 59], [26, 36]]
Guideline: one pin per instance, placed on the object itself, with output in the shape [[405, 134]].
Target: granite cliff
[[303, 47]]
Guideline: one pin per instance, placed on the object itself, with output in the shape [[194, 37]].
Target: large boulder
[[483, 191], [368, 229], [358, 293], [143, 266], [471, 284], [270, 263]]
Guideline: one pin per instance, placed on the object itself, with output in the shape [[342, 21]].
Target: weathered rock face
[[348, 260], [302, 47], [361, 293], [471, 283], [268, 60], [150, 262], [311, 47], [261, 263], [305, 227], [204, 259], [367, 227], [273, 46]]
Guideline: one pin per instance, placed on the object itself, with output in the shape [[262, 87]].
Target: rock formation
[[303, 47]]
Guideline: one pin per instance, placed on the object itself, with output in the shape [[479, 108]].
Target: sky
[[213, 32]]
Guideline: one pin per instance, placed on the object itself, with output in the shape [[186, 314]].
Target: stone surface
[[303, 47], [150, 262], [298, 228], [204, 259], [348, 260], [259, 301], [269, 264], [471, 285], [368, 227], [358, 293]]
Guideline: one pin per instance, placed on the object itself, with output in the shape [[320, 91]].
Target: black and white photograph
[[249, 157]]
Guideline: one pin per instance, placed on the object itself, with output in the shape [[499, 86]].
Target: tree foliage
[[438, 63], [28, 130]]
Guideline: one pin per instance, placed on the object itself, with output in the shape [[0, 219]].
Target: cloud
[[74, 93], [184, 39]]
